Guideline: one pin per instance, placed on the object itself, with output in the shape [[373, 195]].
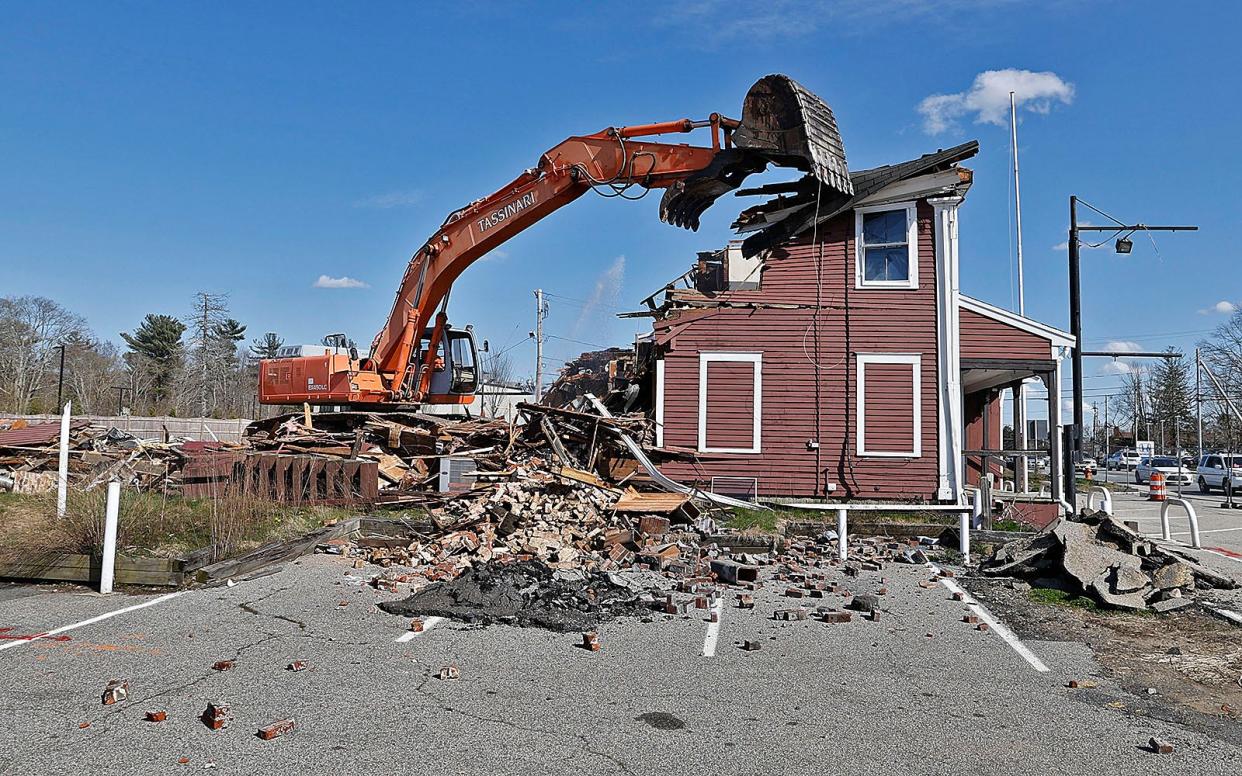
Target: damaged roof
[[794, 209]]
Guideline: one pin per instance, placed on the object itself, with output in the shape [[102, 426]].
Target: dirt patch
[[1191, 659], [530, 595]]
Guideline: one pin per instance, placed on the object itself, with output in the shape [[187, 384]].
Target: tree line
[[197, 364]]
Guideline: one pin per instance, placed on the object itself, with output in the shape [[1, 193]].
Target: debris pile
[[30, 455], [1103, 559]]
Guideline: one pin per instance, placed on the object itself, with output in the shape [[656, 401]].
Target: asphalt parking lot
[[916, 690], [1219, 529]]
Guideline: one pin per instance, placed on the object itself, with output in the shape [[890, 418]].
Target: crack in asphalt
[[582, 739]]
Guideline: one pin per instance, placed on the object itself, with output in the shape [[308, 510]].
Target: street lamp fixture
[[1124, 245]]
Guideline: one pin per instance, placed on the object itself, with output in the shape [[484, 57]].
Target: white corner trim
[[915, 362], [949, 416], [912, 247], [756, 359], [659, 402]]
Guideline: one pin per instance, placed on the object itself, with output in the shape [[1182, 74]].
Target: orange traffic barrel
[[1157, 487]]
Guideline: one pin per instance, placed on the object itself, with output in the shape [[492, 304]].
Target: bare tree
[[31, 328], [498, 374]]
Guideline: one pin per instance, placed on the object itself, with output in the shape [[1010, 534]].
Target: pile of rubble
[[1103, 559], [30, 453]]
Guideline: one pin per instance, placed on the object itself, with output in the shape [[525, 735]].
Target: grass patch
[[151, 524], [754, 520], [1009, 525], [1053, 597]]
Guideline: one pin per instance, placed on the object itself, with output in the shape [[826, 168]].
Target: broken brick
[[155, 716], [278, 728], [835, 617], [1081, 684], [983, 626], [450, 673], [417, 625], [971, 619], [590, 641], [745, 601], [790, 614], [794, 592], [1160, 746], [298, 665], [216, 716], [751, 646], [222, 665]]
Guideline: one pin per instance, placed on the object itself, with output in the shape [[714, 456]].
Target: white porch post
[[948, 352], [1054, 432], [659, 402]]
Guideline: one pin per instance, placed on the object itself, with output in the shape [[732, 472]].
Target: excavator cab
[[454, 368]]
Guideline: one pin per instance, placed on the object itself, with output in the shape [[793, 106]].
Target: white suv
[[1213, 474]]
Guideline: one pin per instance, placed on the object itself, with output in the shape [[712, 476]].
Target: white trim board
[[659, 402], [1041, 330], [915, 362], [911, 283], [756, 359]]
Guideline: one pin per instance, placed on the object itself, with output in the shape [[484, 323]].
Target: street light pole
[[1075, 300]]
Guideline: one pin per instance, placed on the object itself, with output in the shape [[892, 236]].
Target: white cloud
[[1067, 407], [496, 255], [1123, 346], [1222, 307], [987, 99], [606, 292], [1115, 368], [392, 199], [344, 281]]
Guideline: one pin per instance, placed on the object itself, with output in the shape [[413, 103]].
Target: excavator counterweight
[[418, 358]]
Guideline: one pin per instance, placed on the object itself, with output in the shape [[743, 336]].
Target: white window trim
[[912, 247], [915, 362], [706, 358]]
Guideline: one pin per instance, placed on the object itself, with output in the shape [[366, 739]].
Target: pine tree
[[1171, 399], [267, 346], [156, 349]]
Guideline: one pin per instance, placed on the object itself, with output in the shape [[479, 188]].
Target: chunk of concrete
[[1102, 589], [1173, 575], [1171, 604], [1127, 579], [1088, 560]]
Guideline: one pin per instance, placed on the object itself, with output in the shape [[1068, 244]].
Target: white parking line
[[713, 630], [995, 624], [428, 624], [91, 621]]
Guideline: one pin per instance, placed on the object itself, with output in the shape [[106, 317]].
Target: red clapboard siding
[[730, 404], [984, 337], [888, 407], [809, 395]]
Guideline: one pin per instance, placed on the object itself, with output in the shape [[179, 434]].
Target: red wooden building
[[842, 360]]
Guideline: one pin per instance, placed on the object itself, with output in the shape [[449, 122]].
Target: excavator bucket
[[782, 124]]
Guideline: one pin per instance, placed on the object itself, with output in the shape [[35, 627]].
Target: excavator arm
[[612, 161]]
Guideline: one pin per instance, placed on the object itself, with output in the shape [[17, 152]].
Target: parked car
[[1123, 460], [1174, 473], [1213, 473]]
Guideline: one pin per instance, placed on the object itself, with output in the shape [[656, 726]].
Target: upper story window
[[886, 237]]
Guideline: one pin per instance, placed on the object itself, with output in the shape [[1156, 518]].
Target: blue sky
[[155, 149]]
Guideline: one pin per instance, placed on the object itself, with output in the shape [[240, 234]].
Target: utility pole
[[1199, 403], [541, 312], [1075, 299]]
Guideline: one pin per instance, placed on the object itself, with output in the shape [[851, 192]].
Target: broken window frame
[[911, 245], [915, 362]]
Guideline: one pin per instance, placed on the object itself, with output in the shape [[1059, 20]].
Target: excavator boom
[[416, 344]]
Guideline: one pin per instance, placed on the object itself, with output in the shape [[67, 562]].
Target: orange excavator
[[418, 358]]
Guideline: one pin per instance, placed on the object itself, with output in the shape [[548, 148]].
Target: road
[[1219, 528], [917, 691]]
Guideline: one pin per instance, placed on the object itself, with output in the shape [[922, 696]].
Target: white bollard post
[[111, 516], [963, 542], [841, 538], [976, 508], [62, 478]]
